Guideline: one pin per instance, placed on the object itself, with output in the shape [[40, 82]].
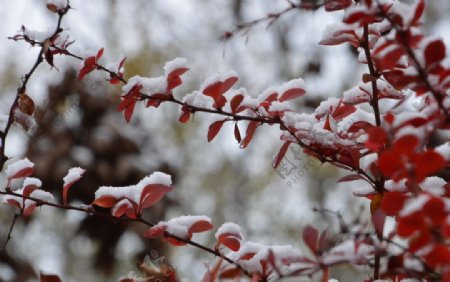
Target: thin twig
[[23, 86], [8, 237], [93, 212]]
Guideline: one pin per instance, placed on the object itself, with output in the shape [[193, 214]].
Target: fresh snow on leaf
[[197, 99], [134, 192], [20, 165], [73, 175], [177, 63]]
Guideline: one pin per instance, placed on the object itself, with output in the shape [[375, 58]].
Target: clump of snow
[[27, 203], [177, 63], [292, 84], [38, 36], [73, 175], [280, 107], [444, 150], [229, 228], [18, 166], [216, 78], [326, 107], [150, 85], [32, 181], [134, 192], [197, 99]]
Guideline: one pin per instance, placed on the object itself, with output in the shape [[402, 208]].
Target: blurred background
[[77, 125]]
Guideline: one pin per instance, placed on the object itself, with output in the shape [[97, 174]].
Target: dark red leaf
[[292, 94], [214, 129], [439, 255], [99, 54], [310, 237], [251, 128], [418, 12], [185, 116], [378, 220], [335, 5], [155, 231], [105, 201], [200, 226], [281, 154], [174, 79], [351, 177], [434, 208], [237, 133], [49, 278], [377, 139], [392, 202], [235, 102], [428, 163], [434, 52], [151, 194], [343, 111]]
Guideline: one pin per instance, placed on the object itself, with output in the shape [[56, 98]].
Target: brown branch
[[8, 237], [90, 210], [234, 117], [271, 17], [23, 86]]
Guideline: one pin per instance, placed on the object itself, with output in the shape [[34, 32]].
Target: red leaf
[[214, 129], [351, 177], [387, 55], [377, 138], [251, 128], [155, 231], [200, 226], [151, 194], [440, 255], [434, 53], [30, 209], [292, 94], [343, 111], [231, 273], [378, 220], [231, 243], [427, 164], [212, 274], [121, 208], [335, 5], [185, 116], [281, 154], [327, 125], [218, 88], [235, 102], [310, 237], [105, 201], [128, 113], [237, 133], [13, 203], [174, 79], [89, 65], [392, 202], [174, 241], [49, 278], [73, 176], [23, 173], [99, 54], [434, 208], [419, 11]]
